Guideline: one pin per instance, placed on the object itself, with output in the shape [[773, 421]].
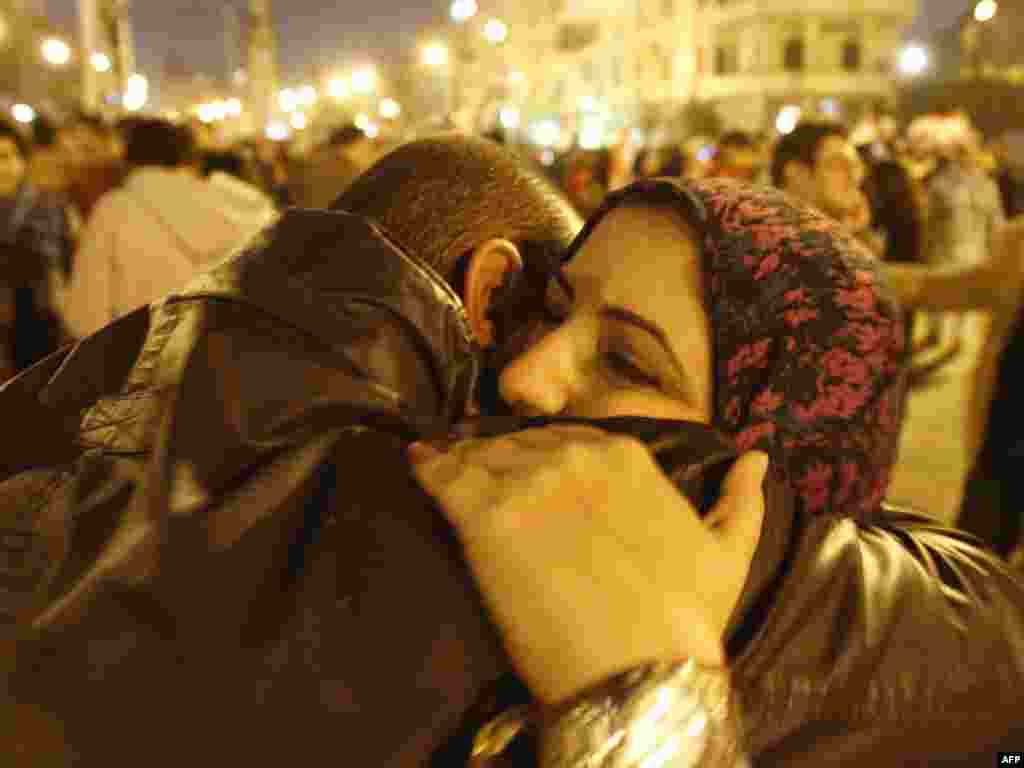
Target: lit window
[[793, 56], [851, 56]]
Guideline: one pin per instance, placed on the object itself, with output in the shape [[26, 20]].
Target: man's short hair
[[801, 146], [8, 131], [440, 197], [154, 142]]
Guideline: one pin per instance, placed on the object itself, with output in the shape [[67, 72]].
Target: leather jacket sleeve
[[897, 642]]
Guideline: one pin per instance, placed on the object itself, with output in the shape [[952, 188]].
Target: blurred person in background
[[332, 167], [817, 164], [585, 178], [735, 157], [34, 244], [149, 236], [1008, 153], [993, 502], [231, 173], [47, 166], [898, 219], [273, 169], [96, 155], [660, 161], [964, 211]]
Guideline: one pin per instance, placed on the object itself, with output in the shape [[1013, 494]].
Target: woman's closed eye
[[621, 361]]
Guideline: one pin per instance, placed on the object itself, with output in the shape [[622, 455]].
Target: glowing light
[[56, 51], [829, 107], [362, 121], [463, 10], [516, 78], [136, 93], [234, 107], [787, 119], [495, 31], [100, 62], [913, 60], [23, 113], [307, 95], [509, 117], [299, 121], [338, 88], [587, 104], [390, 109], [277, 131], [545, 133], [364, 80], [985, 10], [591, 133], [288, 100], [207, 113], [435, 55], [371, 130]]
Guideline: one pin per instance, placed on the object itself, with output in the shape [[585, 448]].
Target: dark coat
[[214, 552]]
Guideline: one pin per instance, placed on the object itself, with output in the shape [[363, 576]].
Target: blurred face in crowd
[[628, 337], [735, 162], [834, 183], [12, 167]]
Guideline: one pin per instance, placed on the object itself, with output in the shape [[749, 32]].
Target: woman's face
[[633, 339]]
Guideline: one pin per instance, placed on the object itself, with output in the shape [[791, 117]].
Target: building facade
[[639, 62], [757, 57]]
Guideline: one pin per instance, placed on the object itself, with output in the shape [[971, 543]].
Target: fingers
[[739, 513]]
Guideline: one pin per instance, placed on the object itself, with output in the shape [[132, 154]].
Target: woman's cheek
[[638, 402]]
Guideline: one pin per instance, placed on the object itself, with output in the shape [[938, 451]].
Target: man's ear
[[488, 264]]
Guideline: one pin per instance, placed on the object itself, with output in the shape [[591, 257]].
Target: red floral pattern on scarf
[[809, 358]]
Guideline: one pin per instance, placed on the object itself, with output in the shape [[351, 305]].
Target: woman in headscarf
[[853, 633]]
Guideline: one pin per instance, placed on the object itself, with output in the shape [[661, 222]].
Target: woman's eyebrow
[[623, 315]]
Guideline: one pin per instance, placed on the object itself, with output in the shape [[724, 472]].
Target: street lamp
[[23, 113], [509, 118], [787, 119], [136, 93], [100, 62], [55, 51], [337, 87], [364, 80], [495, 31], [463, 10], [288, 100], [307, 95], [435, 55], [985, 10], [913, 60], [390, 109]]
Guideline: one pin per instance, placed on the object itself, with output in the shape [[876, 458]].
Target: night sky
[[320, 31]]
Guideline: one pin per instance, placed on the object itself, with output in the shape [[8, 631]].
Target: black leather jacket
[[214, 552]]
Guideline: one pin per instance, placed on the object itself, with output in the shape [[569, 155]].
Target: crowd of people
[[450, 453]]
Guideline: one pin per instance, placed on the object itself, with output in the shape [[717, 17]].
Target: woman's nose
[[540, 380]]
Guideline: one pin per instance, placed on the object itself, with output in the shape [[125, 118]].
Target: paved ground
[[943, 422]]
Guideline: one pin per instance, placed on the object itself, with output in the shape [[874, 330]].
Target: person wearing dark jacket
[[214, 546], [35, 247]]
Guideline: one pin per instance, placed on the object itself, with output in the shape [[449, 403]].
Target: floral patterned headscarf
[[808, 346]]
